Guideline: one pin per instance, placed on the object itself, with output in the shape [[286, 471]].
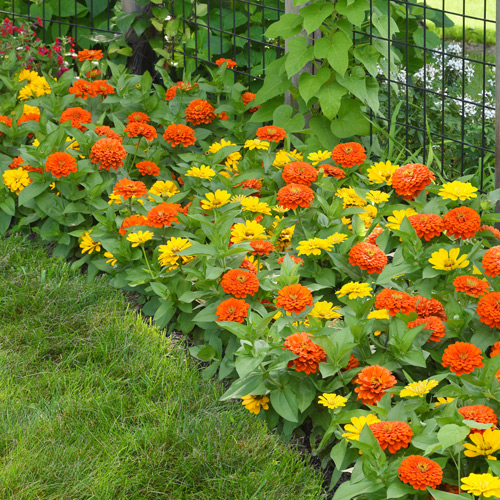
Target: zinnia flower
[[283, 157], [232, 310], [139, 238], [351, 364], [90, 55], [261, 247], [377, 197], [372, 237], [16, 180], [395, 301], [295, 195], [111, 258], [254, 403], [202, 172], [215, 200], [325, 310], [394, 221], [481, 414], [420, 472], [107, 132], [253, 204], [355, 290], [128, 189], [432, 323], [427, 226], [296, 260], [392, 435], [491, 262], [294, 298], [484, 444], [133, 221], [332, 401], [382, 314], [353, 430], [368, 257], [494, 230], [309, 354], [135, 129], [60, 164], [373, 382], [488, 309], [229, 64], [299, 172], [169, 253], [164, 214], [471, 285], [250, 230], [199, 111], [410, 180], [240, 283], [332, 171], [495, 350], [109, 153], [179, 134], [349, 154], [462, 222], [429, 307], [448, 261], [318, 156], [139, 117], [457, 190], [248, 97], [381, 172], [271, 133], [314, 246], [485, 485], [164, 189], [418, 389], [77, 116], [87, 244], [462, 357], [148, 168]]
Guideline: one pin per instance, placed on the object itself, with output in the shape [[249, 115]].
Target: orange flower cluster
[[373, 381], [89, 55], [462, 222], [494, 230], [271, 133], [28, 117], [93, 73], [348, 154], [60, 164], [481, 414], [6, 121], [104, 130], [135, 129], [395, 301], [372, 237], [491, 262], [295, 195], [261, 247], [294, 298], [352, 363], [310, 355], [199, 111], [109, 153], [127, 188], [247, 97], [133, 221], [251, 184], [230, 63], [84, 89], [249, 266], [148, 168], [294, 259], [179, 134], [77, 116], [392, 435], [232, 310], [471, 285], [420, 472], [425, 307], [368, 257], [495, 350], [139, 117], [462, 357], [299, 172], [332, 171], [240, 283], [488, 309], [427, 226], [182, 85], [410, 180], [19, 162], [164, 214], [432, 323]]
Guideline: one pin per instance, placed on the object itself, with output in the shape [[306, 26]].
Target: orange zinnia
[[271, 133], [429, 307], [427, 226], [138, 116], [6, 121], [28, 117], [164, 214], [432, 323], [488, 309], [395, 301], [349, 154], [249, 97], [249, 266], [299, 172], [295, 195], [133, 221], [462, 357], [82, 88], [368, 257], [495, 350], [89, 55], [171, 93], [251, 184], [392, 435], [352, 363], [372, 237], [179, 134], [491, 262], [462, 222], [310, 355], [410, 180], [77, 116], [102, 87], [420, 472], [148, 168], [494, 230], [60, 164], [107, 132], [471, 285], [481, 414], [230, 63], [373, 382], [261, 247], [128, 188], [199, 111], [19, 162], [134, 129], [294, 298], [109, 153], [240, 283], [332, 171], [232, 310], [294, 259]]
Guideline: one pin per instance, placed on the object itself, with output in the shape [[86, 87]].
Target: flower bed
[[355, 298]]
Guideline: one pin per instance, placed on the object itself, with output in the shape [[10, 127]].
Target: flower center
[[241, 278], [422, 467], [348, 150], [464, 355]]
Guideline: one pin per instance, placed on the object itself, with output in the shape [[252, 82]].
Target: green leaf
[[443, 495], [289, 25], [398, 490], [31, 191], [315, 14], [254, 384], [205, 353], [330, 99], [451, 434], [275, 84], [350, 121], [354, 11], [369, 57], [309, 85], [284, 403], [348, 490], [299, 54], [363, 87], [282, 117], [335, 50]]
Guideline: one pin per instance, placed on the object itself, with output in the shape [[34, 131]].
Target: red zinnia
[[28, 117], [309, 354], [294, 259], [494, 230], [432, 323], [6, 121], [488, 309], [395, 301], [128, 188], [109, 153], [82, 88], [232, 310], [373, 382], [491, 262], [102, 87], [420, 472], [240, 283], [199, 111], [368, 257], [392, 435], [179, 134], [164, 214], [295, 195], [495, 350], [348, 154], [462, 357], [294, 298], [271, 133], [249, 266], [427, 226], [471, 285], [261, 247], [60, 164], [299, 172], [462, 222], [351, 364], [410, 180], [481, 414]]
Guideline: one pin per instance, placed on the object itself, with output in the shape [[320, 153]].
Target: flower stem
[[147, 261]]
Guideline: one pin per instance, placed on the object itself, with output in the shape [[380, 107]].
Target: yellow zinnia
[[256, 144], [253, 204], [88, 244], [350, 198], [284, 157], [379, 314], [164, 189], [443, 401], [139, 238], [377, 197], [168, 253], [319, 156], [332, 401], [254, 403], [314, 246], [418, 388], [215, 200], [16, 180], [325, 310], [457, 190], [353, 430], [232, 159], [394, 221], [381, 172], [484, 444], [250, 230], [111, 258], [355, 290], [448, 261], [202, 172], [482, 484]]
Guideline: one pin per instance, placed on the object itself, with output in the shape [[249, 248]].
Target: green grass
[[474, 29], [97, 404]]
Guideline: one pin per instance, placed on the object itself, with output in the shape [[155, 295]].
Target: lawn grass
[[97, 404]]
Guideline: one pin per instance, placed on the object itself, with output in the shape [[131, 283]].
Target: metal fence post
[[497, 105]]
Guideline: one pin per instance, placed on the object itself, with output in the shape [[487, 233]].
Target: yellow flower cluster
[[253, 204], [283, 157], [37, 86], [314, 246], [169, 253], [16, 180], [164, 189], [87, 244], [380, 173], [202, 172]]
